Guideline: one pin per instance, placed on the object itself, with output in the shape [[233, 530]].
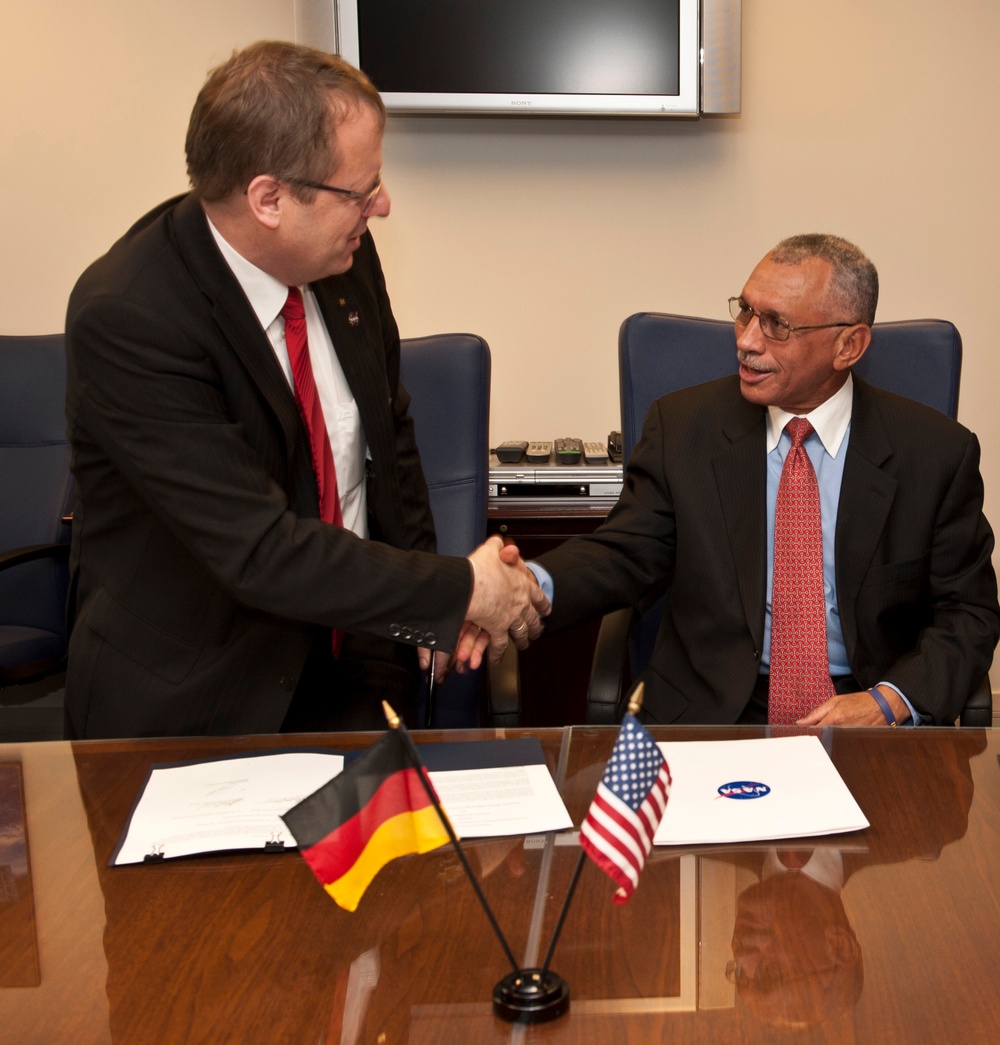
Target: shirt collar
[[825, 867], [266, 294], [830, 419]]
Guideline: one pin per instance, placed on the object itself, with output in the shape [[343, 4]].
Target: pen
[[430, 692]]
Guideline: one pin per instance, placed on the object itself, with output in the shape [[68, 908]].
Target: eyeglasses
[[770, 325], [366, 199]]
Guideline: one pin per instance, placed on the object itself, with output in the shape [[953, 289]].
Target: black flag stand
[[533, 995], [536, 995], [524, 995]]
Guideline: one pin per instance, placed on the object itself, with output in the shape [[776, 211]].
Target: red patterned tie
[[311, 410], [800, 667]]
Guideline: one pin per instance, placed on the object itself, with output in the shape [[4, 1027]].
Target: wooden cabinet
[[555, 670]]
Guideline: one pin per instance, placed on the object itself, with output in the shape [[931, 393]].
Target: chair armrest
[[978, 710], [608, 671], [504, 690], [17, 556]]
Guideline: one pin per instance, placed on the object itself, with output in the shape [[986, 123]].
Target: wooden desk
[[249, 948]]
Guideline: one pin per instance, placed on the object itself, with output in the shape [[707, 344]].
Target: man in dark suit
[[205, 582], [908, 588]]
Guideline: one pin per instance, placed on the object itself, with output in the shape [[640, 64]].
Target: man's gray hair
[[855, 280]]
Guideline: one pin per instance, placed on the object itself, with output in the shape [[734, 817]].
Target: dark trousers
[[345, 694], [755, 713]]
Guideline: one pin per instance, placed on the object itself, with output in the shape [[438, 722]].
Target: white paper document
[[236, 803], [222, 804], [752, 790], [508, 800]]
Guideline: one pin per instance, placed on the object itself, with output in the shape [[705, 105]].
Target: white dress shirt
[[267, 297]]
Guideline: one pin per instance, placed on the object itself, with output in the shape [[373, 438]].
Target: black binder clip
[[154, 856]]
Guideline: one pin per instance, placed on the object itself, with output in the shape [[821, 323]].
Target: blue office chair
[[659, 353], [35, 505], [448, 378]]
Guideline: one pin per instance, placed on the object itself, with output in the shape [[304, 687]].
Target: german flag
[[374, 811]]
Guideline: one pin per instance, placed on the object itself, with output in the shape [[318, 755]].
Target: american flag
[[631, 799]]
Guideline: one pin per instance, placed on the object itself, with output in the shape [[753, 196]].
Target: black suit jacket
[[915, 584], [200, 570]]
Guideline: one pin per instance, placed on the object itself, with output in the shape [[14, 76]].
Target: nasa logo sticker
[[744, 789]]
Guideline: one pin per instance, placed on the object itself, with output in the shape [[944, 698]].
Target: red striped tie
[[800, 666], [311, 411]]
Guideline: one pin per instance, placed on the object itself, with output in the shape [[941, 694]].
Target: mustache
[[752, 362]]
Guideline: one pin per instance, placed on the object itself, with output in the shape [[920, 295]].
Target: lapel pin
[[342, 302], [352, 318]]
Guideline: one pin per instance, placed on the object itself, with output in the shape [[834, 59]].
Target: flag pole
[[634, 704], [396, 723], [524, 995], [562, 913]]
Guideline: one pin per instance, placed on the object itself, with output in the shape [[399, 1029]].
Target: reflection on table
[[888, 934]]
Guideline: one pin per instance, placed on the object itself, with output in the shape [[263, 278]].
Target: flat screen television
[[596, 57]]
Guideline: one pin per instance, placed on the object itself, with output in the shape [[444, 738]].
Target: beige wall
[[869, 118], [94, 102]]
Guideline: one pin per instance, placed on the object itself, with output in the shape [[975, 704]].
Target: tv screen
[[533, 56]]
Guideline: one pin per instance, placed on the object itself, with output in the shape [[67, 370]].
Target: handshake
[[506, 604]]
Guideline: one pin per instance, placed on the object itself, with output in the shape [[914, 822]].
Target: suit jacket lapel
[[234, 316], [866, 496], [741, 475]]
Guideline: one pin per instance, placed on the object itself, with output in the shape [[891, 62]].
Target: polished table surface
[[900, 944]]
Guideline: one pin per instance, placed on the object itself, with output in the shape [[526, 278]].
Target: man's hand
[[510, 555], [472, 644], [506, 599], [442, 662], [856, 709]]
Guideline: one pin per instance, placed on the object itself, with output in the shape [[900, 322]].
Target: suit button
[[287, 682], [394, 630], [407, 634], [430, 639], [418, 636]]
